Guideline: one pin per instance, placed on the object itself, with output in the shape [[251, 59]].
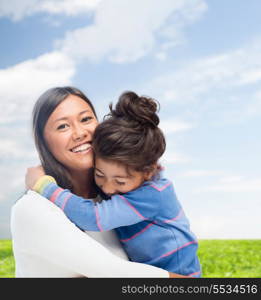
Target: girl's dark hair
[[43, 108], [130, 134]]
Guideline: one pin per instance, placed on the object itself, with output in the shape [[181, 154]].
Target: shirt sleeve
[[121, 210], [40, 229]]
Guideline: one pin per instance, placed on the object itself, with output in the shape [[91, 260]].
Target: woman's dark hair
[[130, 134], [43, 108]]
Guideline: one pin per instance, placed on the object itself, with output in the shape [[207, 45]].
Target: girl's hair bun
[[130, 134], [132, 108]]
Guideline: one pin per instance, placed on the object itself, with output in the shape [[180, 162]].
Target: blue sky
[[200, 59]]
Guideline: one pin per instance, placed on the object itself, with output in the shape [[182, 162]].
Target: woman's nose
[[79, 133]]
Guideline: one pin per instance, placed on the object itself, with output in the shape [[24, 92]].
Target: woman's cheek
[[93, 127]]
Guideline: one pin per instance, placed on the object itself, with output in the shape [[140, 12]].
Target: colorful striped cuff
[[42, 182]]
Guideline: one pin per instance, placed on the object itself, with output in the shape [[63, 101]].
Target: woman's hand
[[32, 175]]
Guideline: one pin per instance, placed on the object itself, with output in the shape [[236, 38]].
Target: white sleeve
[[41, 229]]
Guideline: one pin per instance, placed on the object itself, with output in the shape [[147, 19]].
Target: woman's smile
[[82, 148]]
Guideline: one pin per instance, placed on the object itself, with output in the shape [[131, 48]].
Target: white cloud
[[199, 173], [173, 126], [234, 184], [252, 76], [17, 9], [161, 56], [220, 89], [232, 179], [254, 107], [225, 71], [22, 84], [17, 146], [16, 175], [124, 31], [9, 149], [172, 157], [68, 7]]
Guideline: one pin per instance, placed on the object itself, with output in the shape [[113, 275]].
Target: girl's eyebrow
[[66, 118], [98, 170]]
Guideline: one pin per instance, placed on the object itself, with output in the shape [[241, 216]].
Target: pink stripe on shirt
[[65, 201], [132, 207], [98, 218], [175, 218], [194, 274], [177, 249], [160, 188], [55, 194], [138, 233]]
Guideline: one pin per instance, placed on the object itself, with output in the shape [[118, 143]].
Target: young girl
[[142, 205]]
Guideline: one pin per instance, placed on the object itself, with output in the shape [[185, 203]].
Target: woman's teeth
[[81, 148]]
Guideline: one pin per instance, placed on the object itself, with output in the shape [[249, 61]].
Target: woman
[[45, 242]]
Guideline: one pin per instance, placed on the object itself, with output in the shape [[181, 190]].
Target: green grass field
[[7, 266], [219, 258]]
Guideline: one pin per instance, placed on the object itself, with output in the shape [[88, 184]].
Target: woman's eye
[[62, 126], [86, 119]]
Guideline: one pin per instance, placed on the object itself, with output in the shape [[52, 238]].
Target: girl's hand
[[175, 275], [32, 175]]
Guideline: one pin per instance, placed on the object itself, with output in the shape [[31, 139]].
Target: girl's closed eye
[[120, 182], [98, 175]]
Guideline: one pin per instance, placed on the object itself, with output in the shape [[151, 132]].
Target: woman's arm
[[41, 229]]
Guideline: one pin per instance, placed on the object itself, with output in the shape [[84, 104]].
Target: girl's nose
[[108, 189]]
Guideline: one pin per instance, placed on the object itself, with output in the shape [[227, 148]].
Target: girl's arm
[[120, 210], [40, 229]]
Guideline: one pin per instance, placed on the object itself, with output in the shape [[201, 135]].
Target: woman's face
[[68, 133]]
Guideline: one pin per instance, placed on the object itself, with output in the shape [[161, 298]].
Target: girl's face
[[113, 178], [68, 133]]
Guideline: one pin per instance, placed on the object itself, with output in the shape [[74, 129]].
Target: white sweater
[[47, 244]]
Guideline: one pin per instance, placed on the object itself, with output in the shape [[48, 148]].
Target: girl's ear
[[149, 174]]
